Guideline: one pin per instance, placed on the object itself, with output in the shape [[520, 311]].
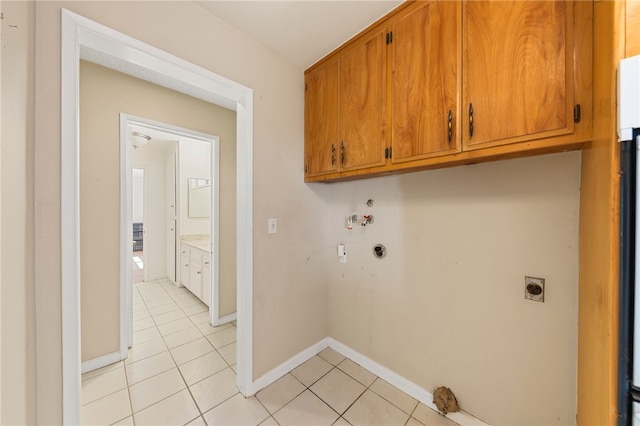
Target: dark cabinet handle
[[342, 150], [470, 120], [333, 154], [450, 126]]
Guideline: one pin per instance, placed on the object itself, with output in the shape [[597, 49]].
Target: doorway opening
[[137, 237], [182, 210], [83, 38]]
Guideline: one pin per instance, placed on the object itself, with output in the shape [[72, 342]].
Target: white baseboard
[[101, 361], [289, 365], [225, 319], [402, 383]]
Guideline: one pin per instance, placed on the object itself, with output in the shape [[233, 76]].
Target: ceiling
[[300, 31]]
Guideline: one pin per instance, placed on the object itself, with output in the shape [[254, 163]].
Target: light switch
[[273, 225]]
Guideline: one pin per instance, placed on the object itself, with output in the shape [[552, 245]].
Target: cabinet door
[[321, 120], [517, 71], [170, 174], [425, 57], [195, 278], [184, 272], [195, 273], [171, 250], [362, 104]]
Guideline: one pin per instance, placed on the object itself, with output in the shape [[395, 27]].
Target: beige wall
[[290, 268], [288, 271], [446, 306], [17, 313], [104, 94]]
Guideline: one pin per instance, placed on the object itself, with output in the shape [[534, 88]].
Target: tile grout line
[[176, 366], [133, 419], [124, 366], [188, 387], [135, 285], [201, 334], [368, 387]]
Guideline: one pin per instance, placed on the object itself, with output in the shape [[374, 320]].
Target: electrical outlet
[[534, 289]]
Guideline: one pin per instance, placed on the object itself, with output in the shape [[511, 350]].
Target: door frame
[[144, 207], [126, 220], [126, 263], [81, 37]]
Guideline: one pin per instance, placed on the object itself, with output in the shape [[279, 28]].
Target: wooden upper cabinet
[[439, 83], [518, 71], [362, 103], [425, 60], [321, 120]]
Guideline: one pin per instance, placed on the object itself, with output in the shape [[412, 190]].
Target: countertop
[[200, 242]]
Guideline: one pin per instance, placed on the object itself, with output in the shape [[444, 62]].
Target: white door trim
[[79, 32]]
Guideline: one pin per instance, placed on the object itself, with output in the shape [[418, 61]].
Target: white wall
[[446, 306], [195, 162], [152, 158], [137, 194]]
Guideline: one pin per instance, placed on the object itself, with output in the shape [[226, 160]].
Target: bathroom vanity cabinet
[[195, 269]]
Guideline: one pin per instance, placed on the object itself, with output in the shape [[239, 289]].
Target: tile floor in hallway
[[138, 266], [181, 371]]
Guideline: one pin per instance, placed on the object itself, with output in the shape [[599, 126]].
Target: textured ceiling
[[300, 31]]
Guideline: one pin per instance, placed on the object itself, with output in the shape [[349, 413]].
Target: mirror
[[199, 197]]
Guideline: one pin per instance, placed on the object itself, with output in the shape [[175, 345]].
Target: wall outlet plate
[[534, 289]]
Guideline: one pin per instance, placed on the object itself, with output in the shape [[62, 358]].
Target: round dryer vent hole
[[379, 251]]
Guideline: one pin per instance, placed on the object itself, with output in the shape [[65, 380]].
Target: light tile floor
[[138, 266], [181, 371]]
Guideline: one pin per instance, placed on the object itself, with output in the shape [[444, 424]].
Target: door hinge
[[306, 87], [306, 169], [390, 37], [576, 113]]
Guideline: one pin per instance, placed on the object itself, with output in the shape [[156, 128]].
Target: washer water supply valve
[[351, 220], [367, 219]]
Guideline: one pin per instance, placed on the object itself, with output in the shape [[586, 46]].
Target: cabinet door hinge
[[306, 169], [576, 113], [390, 37], [306, 87]]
